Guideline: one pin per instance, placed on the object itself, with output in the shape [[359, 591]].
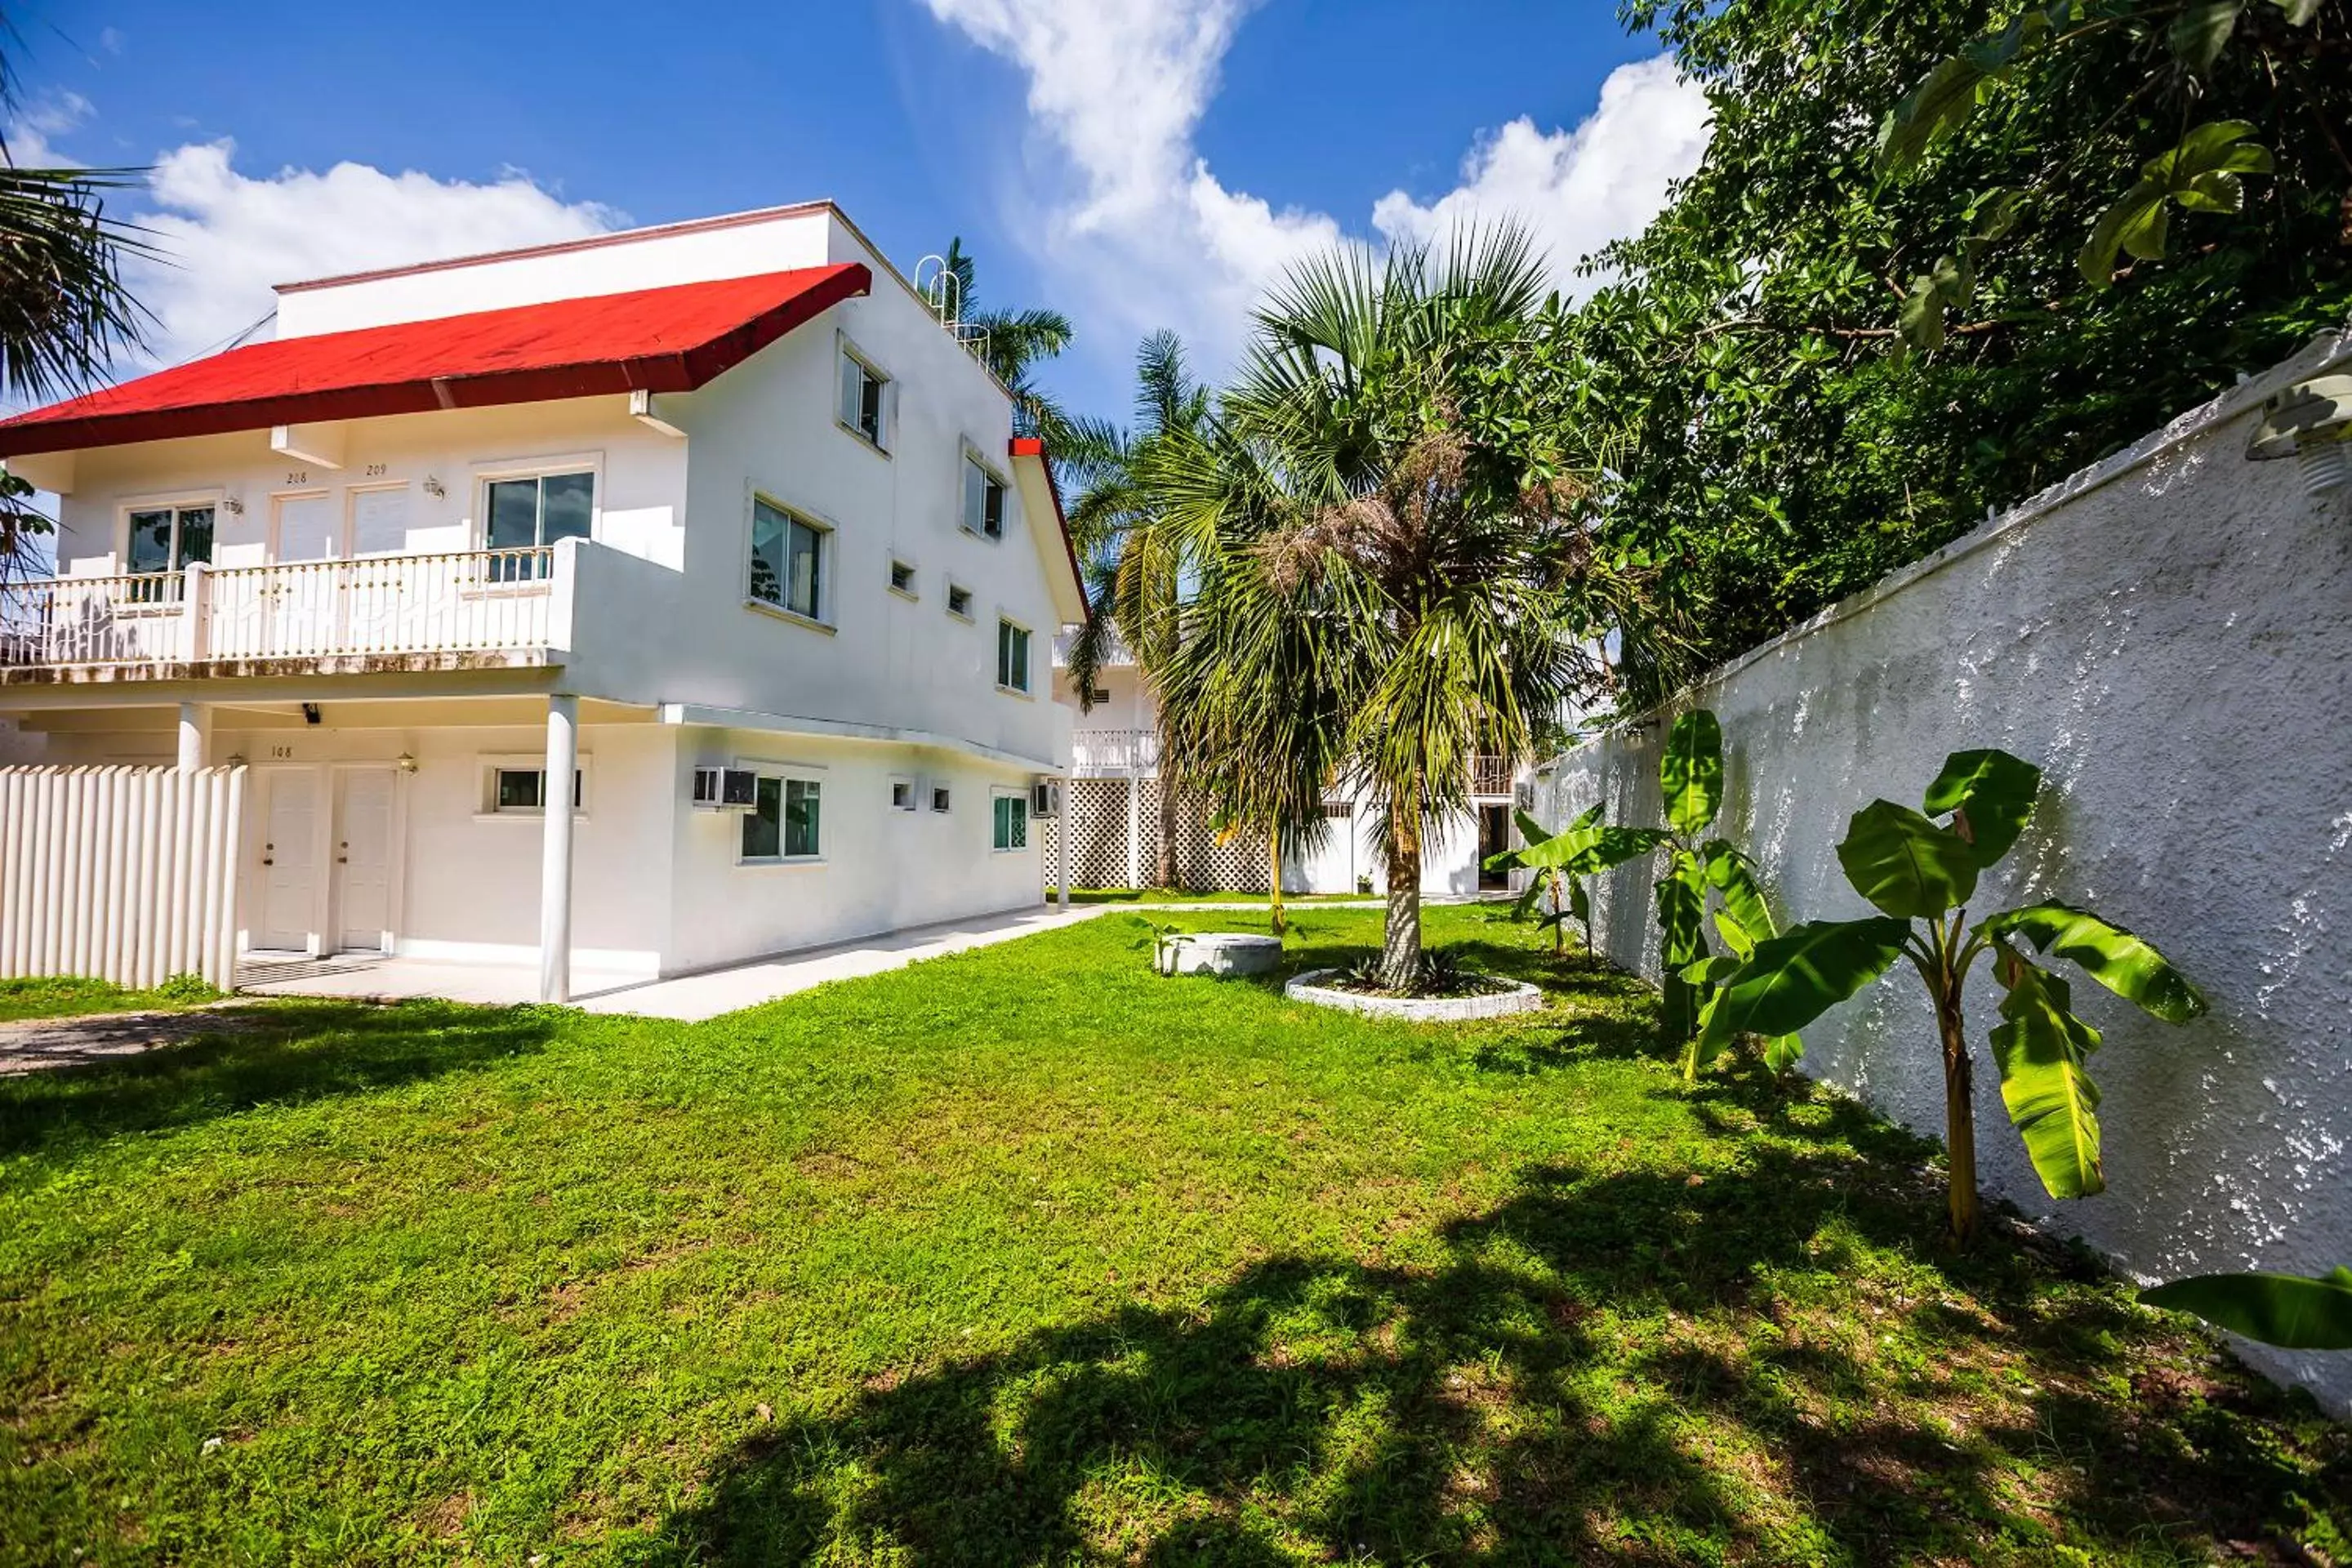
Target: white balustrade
[[1102, 752], [459, 602]]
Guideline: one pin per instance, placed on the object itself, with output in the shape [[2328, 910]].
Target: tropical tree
[[1134, 561], [1921, 875], [1558, 863], [2284, 1309], [1776, 454], [1013, 343], [64, 313], [1375, 466]]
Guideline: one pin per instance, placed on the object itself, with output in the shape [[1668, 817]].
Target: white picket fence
[[126, 874]]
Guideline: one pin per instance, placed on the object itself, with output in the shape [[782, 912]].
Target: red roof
[[673, 339]]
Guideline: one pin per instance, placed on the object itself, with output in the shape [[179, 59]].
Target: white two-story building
[[712, 533]]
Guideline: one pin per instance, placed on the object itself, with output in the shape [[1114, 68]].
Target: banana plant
[[1700, 873], [2283, 1309], [1921, 873], [1557, 864]]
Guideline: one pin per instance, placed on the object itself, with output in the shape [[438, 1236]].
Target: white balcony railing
[[477, 600], [1102, 752]]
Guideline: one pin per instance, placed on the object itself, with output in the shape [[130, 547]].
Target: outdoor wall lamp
[[2309, 422], [407, 764], [236, 507], [433, 488]]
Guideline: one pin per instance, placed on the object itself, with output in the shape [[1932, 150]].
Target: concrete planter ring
[[1516, 996], [1218, 953]]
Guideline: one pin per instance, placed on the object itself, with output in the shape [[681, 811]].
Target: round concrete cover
[[1220, 953]]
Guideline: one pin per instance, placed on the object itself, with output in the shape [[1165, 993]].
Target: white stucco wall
[[2168, 635]]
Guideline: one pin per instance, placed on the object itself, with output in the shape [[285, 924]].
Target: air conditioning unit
[[726, 789], [1046, 798]]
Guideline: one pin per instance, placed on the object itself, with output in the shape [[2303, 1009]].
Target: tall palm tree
[[1377, 479], [63, 311], [1013, 343], [1135, 566]]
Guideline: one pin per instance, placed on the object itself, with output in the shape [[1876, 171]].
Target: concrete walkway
[[690, 997]]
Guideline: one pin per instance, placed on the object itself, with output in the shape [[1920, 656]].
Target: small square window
[[940, 797], [1011, 824], [902, 795], [1011, 657], [983, 499], [865, 392], [958, 601], [902, 578], [787, 560]]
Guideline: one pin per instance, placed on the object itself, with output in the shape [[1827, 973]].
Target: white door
[[363, 860], [288, 855], [304, 596]]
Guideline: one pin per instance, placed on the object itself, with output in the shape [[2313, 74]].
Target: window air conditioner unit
[[726, 789], [1046, 798]]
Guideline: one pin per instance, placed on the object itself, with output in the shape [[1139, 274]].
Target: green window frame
[[786, 820], [1012, 656], [1010, 822]]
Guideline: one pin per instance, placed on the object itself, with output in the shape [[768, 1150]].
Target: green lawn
[[1186, 896], [65, 998], [1027, 1256]]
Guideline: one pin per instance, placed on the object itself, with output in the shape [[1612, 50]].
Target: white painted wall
[[657, 614], [2168, 634]]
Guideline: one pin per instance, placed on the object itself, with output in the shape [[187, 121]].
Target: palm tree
[[1375, 480], [1011, 343], [64, 311], [1249, 711], [1135, 566]]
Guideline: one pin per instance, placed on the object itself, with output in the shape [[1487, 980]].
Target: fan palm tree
[[1134, 565], [1375, 480]]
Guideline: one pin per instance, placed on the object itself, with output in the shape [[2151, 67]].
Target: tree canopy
[[1777, 441]]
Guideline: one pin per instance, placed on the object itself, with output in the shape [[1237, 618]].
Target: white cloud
[[227, 236], [1577, 189], [1134, 230]]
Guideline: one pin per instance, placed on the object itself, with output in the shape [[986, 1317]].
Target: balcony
[[423, 608], [1104, 754], [1490, 777]]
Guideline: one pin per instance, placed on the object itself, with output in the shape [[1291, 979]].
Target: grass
[[1028, 1255], [1190, 895], [73, 997]]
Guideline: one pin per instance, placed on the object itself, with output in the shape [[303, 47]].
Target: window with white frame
[[941, 798], [865, 399], [902, 578], [518, 789], [902, 795], [1011, 657], [167, 538], [533, 511], [960, 601], [787, 560], [983, 498], [1009, 824], [785, 822]]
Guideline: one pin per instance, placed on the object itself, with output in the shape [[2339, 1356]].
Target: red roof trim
[[175, 403], [1032, 447]]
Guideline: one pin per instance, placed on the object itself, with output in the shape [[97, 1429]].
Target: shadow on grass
[[1610, 1365], [260, 1056]]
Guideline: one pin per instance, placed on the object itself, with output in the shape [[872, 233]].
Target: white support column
[[1061, 836], [556, 860], [196, 735]]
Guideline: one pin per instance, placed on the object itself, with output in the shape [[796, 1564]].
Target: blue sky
[[1138, 163]]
